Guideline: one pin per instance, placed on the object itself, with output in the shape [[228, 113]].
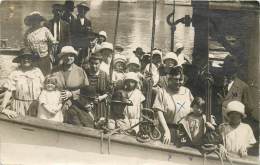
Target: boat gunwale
[[94, 133]]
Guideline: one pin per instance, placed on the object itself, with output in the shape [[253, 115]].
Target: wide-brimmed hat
[[89, 92], [32, 17], [171, 55], [179, 45], [83, 5], [119, 58], [57, 6], [96, 56], [103, 33], [157, 51], [69, 3], [134, 60], [106, 45], [67, 50], [24, 52], [139, 50], [131, 76], [235, 106], [121, 96]]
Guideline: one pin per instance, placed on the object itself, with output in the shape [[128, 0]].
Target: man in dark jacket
[[59, 28], [81, 31]]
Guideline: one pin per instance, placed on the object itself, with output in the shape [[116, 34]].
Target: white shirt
[[230, 85], [56, 30], [82, 20], [237, 138], [104, 67]]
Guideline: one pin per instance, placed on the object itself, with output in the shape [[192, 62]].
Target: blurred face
[[26, 62], [120, 66], [197, 110], [35, 23], [82, 11], [133, 68], [94, 65], [102, 39], [139, 55], [68, 59], [170, 63], [234, 118], [156, 59], [130, 85], [105, 54], [175, 82], [50, 87], [57, 13]]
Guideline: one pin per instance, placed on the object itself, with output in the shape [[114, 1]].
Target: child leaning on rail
[[237, 136], [195, 124], [50, 102]]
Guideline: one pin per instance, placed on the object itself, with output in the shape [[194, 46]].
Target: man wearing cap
[[59, 28], [139, 53], [237, 136], [81, 31]]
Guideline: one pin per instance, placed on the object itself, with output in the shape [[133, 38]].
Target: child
[[237, 136], [50, 102], [133, 113], [119, 68], [195, 123], [119, 103], [134, 65]]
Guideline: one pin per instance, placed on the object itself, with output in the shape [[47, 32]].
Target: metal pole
[[172, 27]]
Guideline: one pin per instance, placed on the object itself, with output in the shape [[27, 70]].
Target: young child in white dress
[[50, 102]]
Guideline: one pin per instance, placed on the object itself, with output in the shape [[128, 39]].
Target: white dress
[[51, 101]]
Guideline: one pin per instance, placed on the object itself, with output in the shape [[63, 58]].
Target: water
[[134, 29]]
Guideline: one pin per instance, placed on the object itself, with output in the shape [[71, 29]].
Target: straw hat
[[106, 45], [67, 50], [32, 17], [134, 60], [131, 76], [103, 33], [119, 58], [156, 51], [139, 50], [24, 52], [171, 55], [179, 45], [83, 5], [235, 106]]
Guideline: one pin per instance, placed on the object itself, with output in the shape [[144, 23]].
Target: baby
[[50, 102]]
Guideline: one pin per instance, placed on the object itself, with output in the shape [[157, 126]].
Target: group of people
[[65, 75]]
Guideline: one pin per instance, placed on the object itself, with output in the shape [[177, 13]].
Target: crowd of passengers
[[64, 76]]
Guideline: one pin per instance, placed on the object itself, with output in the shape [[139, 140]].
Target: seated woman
[[237, 136], [70, 79], [24, 85], [172, 104]]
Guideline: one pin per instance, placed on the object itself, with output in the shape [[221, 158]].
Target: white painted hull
[[29, 140]]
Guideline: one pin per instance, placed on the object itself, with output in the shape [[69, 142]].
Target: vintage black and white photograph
[[129, 82]]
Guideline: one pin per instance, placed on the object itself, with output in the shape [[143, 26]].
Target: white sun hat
[[179, 45], [134, 60], [132, 76], [103, 33], [67, 50], [235, 106], [106, 45], [156, 51], [119, 57], [171, 55]]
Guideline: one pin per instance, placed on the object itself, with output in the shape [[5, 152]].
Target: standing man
[[59, 28], [139, 53], [68, 10], [81, 30]]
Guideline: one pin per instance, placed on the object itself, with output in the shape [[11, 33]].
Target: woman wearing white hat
[[119, 68], [70, 78], [106, 51], [237, 136]]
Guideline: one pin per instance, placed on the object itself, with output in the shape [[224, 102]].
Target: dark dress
[[102, 85]]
